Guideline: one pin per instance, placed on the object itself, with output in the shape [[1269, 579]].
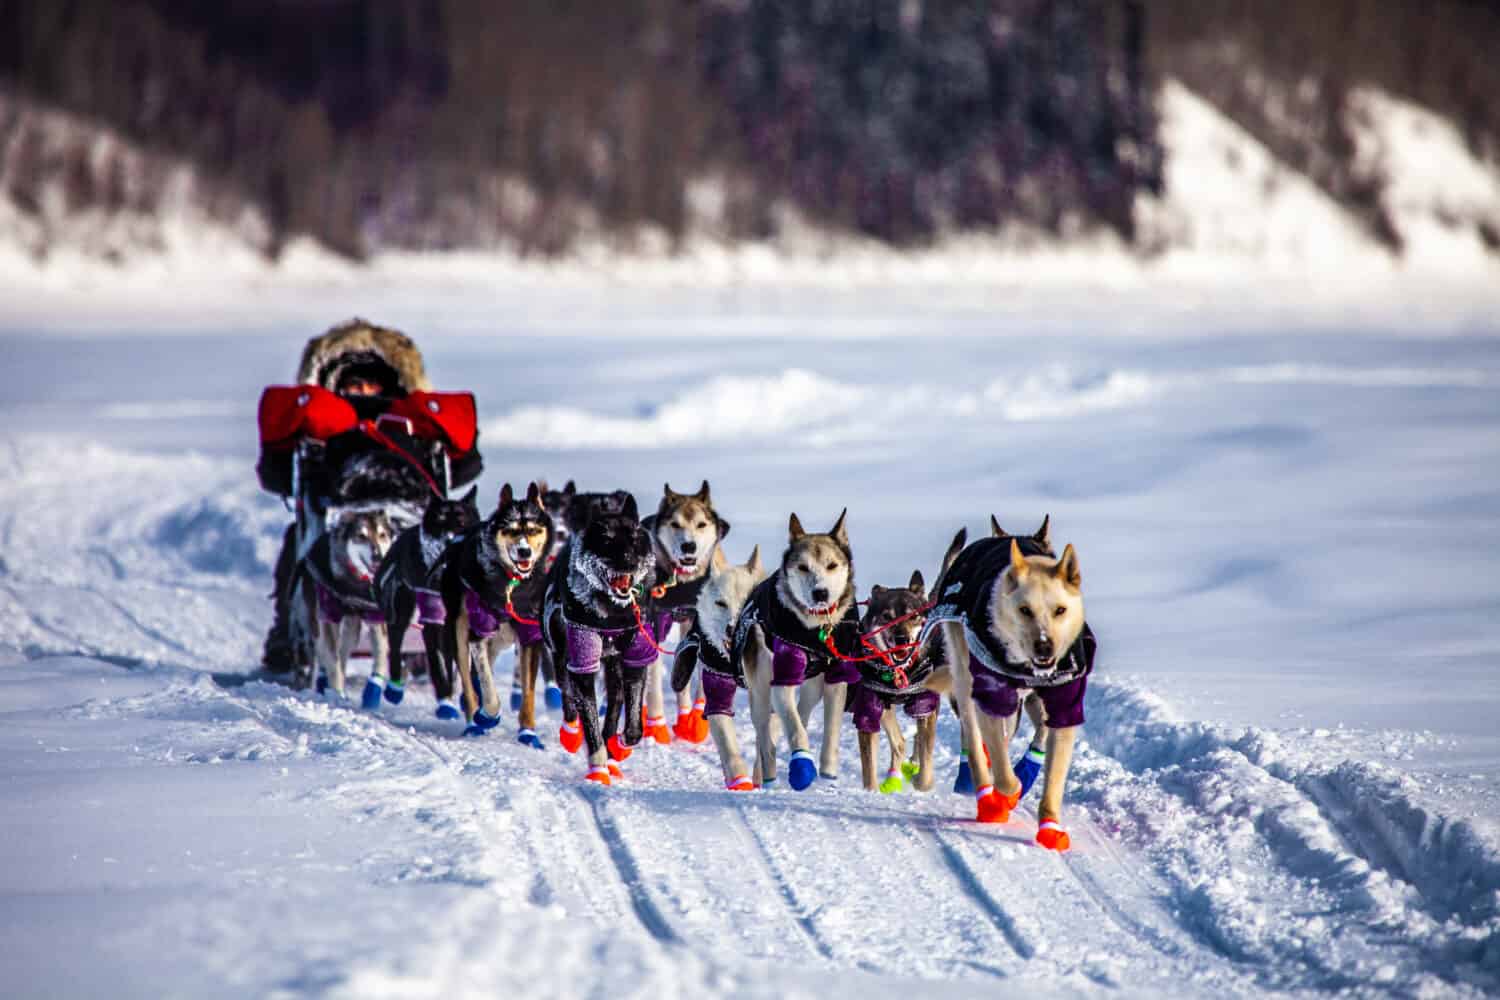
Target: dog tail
[[954, 548]]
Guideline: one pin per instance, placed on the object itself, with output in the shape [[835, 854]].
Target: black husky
[[406, 585], [593, 619]]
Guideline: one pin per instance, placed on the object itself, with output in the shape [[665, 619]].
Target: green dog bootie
[[894, 782]]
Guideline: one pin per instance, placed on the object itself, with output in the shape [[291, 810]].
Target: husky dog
[[798, 625], [896, 678], [686, 531], [339, 587], [594, 620], [492, 599], [705, 649], [1011, 619], [407, 586]]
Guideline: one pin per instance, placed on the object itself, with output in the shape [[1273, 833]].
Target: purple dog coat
[[430, 610], [789, 666], [586, 648], [1001, 696], [485, 621], [869, 706], [331, 610]]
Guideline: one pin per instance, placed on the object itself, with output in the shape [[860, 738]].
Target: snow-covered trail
[[187, 831]]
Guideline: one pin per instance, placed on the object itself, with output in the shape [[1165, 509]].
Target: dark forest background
[[438, 124]]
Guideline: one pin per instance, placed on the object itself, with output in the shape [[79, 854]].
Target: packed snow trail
[[189, 830]]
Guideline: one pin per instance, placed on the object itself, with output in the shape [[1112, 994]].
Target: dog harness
[[722, 674], [964, 597], [407, 562], [797, 652], [675, 602]]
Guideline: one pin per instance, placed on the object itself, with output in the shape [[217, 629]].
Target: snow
[[1289, 780]]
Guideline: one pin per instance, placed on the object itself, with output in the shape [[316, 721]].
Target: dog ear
[[569, 489], [723, 526], [794, 527], [506, 496], [838, 532], [1018, 566], [753, 563], [876, 590], [1067, 569], [702, 494], [1044, 533], [471, 498], [995, 530], [534, 494], [917, 585], [541, 483], [666, 491], [628, 509]]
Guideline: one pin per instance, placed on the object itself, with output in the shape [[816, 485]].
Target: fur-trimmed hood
[[360, 342]]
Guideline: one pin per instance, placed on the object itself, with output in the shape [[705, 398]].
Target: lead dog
[[705, 652], [686, 532], [799, 624], [491, 597], [1011, 619]]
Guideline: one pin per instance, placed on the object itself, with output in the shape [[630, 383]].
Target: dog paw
[[369, 698], [448, 711], [615, 771], [394, 692], [570, 735], [964, 783], [802, 771], [894, 782], [1029, 767], [528, 737], [656, 729], [484, 721], [617, 749], [1052, 836], [740, 783], [599, 774], [910, 769], [553, 697], [320, 684], [994, 807]]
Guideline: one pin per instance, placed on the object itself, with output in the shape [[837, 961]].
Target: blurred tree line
[[448, 123]]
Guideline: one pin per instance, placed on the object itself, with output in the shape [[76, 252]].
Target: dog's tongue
[[620, 583]]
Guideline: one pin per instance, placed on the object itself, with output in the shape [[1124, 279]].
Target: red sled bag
[[291, 412], [450, 417]]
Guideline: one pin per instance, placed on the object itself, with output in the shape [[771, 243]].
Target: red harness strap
[[376, 434]]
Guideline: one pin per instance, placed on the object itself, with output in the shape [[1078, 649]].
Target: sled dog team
[[580, 585]]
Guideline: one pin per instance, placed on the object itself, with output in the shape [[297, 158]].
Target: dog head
[[687, 531], [614, 552], [359, 540], [817, 572], [725, 593], [518, 532], [901, 605], [1037, 608], [447, 519], [559, 506]]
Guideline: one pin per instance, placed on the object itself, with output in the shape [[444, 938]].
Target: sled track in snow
[[646, 910], [987, 903], [798, 912]]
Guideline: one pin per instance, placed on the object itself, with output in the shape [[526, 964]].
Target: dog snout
[[820, 595], [1043, 646], [523, 551], [689, 547]]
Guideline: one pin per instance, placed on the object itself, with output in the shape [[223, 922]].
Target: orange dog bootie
[[1052, 836], [570, 736], [994, 807]]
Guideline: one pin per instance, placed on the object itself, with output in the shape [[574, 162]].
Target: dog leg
[[527, 666], [721, 727], [656, 705], [348, 635], [759, 680], [869, 752], [1050, 833], [926, 743], [895, 776], [834, 697], [484, 664], [375, 684], [801, 771], [580, 688], [634, 681], [463, 654], [808, 696]]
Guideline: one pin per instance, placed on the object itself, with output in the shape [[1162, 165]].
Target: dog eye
[[833, 566], [701, 524], [804, 567], [1025, 611], [1059, 611], [723, 604]]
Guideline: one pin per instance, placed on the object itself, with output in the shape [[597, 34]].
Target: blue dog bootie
[[394, 692], [802, 771], [369, 698], [528, 737], [964, 783], [1029, 767], [447, 710], [482, 723], [515, 695], [554, 698], [320, 683]]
